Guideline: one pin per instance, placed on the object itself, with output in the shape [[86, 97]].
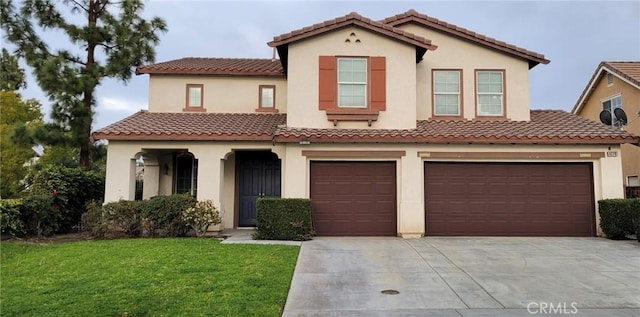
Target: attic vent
[[609, 79], [352, 34], [347, 41], [358, 41]]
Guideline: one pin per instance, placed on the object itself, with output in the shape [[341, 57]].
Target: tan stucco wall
[[631, 105], [303, 74], [453, 53], [167, 93], [216, 179]]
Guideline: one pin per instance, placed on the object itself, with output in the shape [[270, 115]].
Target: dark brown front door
[[509, 199], [258, 175], [354, 198]]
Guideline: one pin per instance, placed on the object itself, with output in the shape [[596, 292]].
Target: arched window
[[186, 174]]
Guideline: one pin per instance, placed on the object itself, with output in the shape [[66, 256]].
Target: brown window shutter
[[378, 89], [328, 82]]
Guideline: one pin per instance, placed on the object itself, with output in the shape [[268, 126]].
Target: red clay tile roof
[[627, 71], [414, 16], [352, 18], [545, 127], [145, 125], [215, 66]]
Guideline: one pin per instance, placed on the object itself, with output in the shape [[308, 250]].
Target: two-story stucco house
[[408, 126], [616, 85]]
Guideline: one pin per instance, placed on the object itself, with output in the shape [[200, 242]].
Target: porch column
[[411, 209], [151, 178], [121, 174], [210, 172]]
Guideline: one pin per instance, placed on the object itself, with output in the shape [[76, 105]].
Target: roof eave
[[181, 137]]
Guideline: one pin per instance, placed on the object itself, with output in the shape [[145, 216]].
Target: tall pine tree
[[114, 39]]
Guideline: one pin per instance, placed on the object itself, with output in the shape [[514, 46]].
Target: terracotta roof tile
[[352, 18], [145, 125], [545, 127], [629, 71], [414, 16], [215, 66]]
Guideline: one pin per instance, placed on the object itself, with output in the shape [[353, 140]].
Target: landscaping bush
[[125, 215], [283, 219], [164, 214], [39, 215], [619, 217], [201, 216], [10, 217], [72, 189], [94, 222]]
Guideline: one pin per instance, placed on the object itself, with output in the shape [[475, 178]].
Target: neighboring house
[[617, 85], [407, 126]]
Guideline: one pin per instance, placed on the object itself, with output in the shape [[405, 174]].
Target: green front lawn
[[144, 277]]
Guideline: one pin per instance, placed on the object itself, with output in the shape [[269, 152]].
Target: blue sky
[[575, 36]]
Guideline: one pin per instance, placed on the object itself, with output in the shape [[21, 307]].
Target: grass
[[144, 277]]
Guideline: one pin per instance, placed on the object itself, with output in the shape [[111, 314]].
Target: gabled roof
[[545, 127], [145, 125], [451, 29], [215, 66], [626, 71], [351, 19]]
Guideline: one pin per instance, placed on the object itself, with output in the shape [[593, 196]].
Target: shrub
[[39, 215], [10, 217], [201, 216], [94, 222], [73, 189], [164, 214], [619, 217], [283, 219], [125, 215]]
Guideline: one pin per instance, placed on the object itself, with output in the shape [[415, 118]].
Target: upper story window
[[612, 104], [490, 93], [352, 88], [194, 97], [267, 98], [446, 92], [352, 82]]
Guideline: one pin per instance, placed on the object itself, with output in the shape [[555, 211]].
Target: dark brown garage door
[[354, 198], [509, 199]]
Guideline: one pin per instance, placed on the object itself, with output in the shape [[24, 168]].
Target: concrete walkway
[[243, 236], [466, 277]]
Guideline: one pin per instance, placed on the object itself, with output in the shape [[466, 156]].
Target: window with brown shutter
[[343, 93]]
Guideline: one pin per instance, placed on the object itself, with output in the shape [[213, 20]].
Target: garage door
[[354, 198], [508, 199]]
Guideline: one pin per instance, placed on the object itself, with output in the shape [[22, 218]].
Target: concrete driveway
[[466, 277]]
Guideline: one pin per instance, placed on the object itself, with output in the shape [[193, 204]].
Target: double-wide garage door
[[509, 199], [354, 198]]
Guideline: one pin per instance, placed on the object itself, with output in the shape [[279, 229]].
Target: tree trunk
[[87, 101]]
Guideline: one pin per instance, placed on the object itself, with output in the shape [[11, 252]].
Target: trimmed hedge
[[283, 219], [10, 217], [160, 216], [620, 217]]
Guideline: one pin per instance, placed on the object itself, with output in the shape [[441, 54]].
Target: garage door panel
[[520, 199], [354, 198]]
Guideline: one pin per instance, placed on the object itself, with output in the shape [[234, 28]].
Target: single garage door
[[509, 199], [353, 198]]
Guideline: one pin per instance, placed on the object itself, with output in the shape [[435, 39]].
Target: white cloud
[[115, 104]]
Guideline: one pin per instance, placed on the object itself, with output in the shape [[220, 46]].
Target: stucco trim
[[513, 155], [354, 154]]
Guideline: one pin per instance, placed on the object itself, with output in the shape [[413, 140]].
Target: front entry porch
[[232, 177]]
